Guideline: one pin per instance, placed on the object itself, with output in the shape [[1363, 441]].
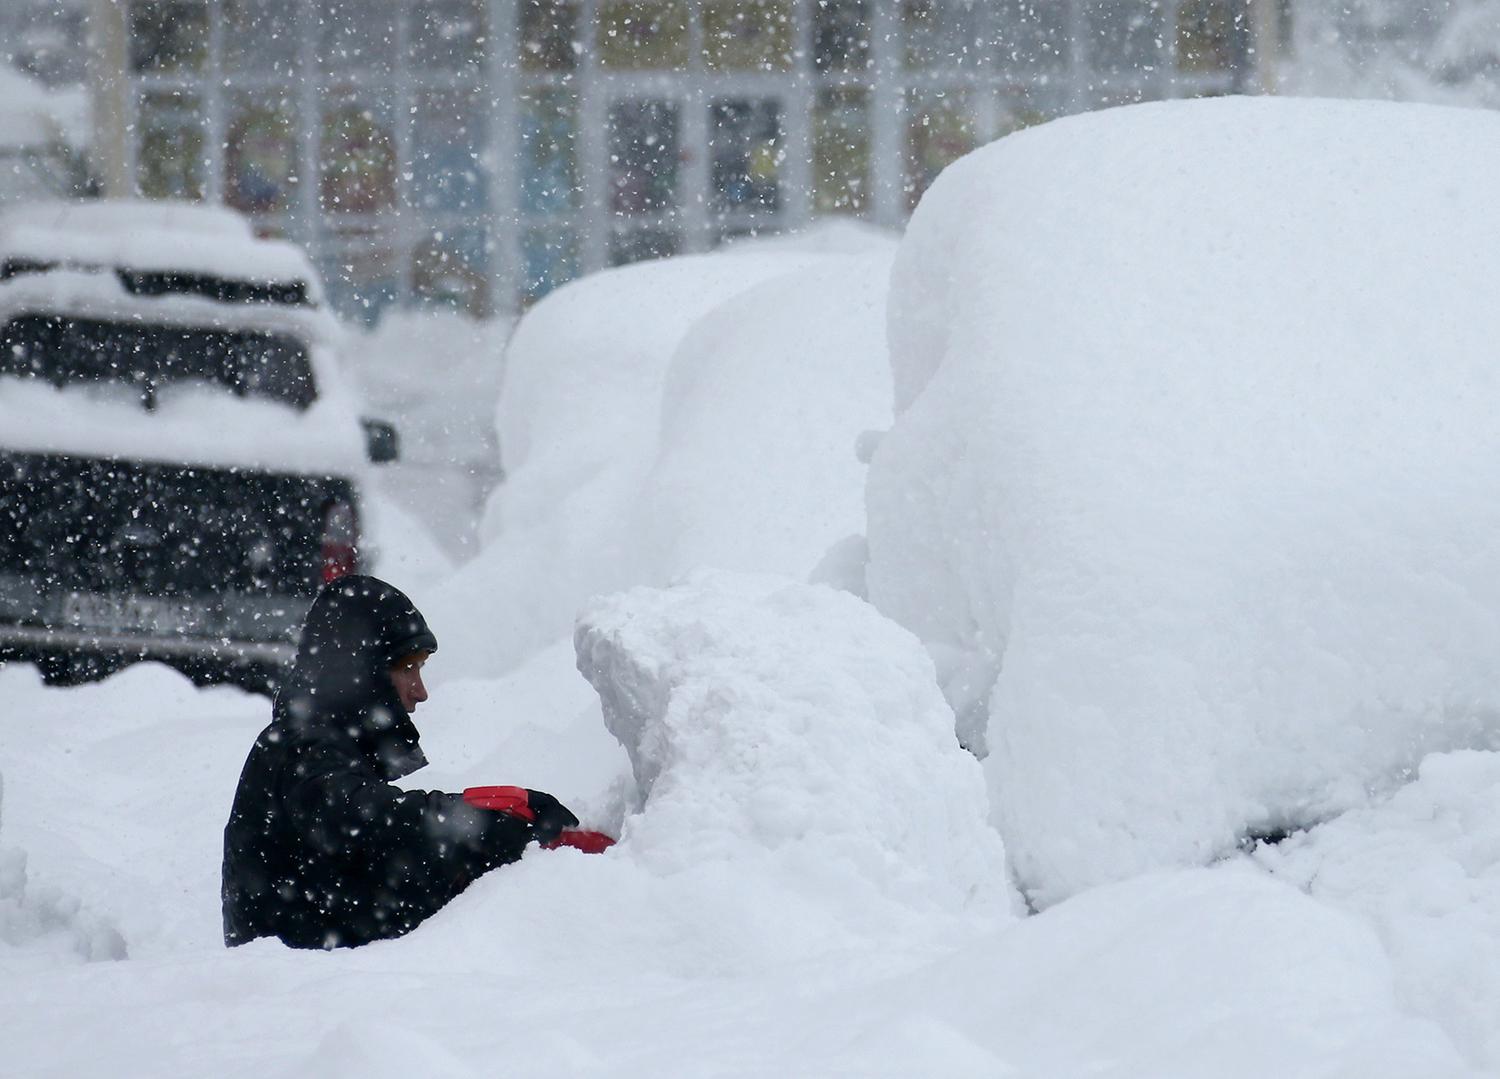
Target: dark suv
[[180, 467]]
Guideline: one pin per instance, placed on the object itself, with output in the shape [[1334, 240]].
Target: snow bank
[[660, 416], [762, 715], [444, 412], [1184, 974], [1424, 869], [1193, 487], [44, 924], [117, 793], [756, 963]]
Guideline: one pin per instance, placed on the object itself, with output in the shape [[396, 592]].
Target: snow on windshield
[[1193, 490]]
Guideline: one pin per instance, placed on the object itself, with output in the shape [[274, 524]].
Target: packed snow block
[[1195, 480], [766, 715]]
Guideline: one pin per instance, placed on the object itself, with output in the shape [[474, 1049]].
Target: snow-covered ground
[[1185, 570]]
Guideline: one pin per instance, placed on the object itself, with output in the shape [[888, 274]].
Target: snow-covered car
[[180, 465]]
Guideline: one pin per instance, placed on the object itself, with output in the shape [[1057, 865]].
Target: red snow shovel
[[516, 802]]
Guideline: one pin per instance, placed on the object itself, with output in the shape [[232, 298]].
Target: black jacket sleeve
[[389, 858]]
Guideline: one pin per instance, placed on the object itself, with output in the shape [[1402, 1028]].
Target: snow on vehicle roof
[[135, 234]]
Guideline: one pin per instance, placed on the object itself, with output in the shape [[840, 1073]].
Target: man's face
[[406, 676]]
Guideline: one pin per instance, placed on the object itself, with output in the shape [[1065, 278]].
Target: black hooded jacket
[[320, 849]]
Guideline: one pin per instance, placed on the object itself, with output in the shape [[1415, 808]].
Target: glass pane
[[1210, 39], [450, 268], [643, 156], [744, 147], [747, 35], [549, 152], [1033, 34], [168, 35], [549, 32], [550, 259], [260, 36], [1122, 38], [356, 35], [638, 245], [941, 33], [447, 149], [170, 152], [260, 155], [939, 130], [358, 159], [841, 150], [448, 35], [359, 270], [644, 33], [841, 35]]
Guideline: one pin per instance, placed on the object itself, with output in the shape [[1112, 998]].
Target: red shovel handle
[[512, 800]]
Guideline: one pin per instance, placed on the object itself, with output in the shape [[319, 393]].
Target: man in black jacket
[[321, 850]]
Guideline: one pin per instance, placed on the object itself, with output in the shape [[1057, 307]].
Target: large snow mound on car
[[674, 414], [771, 720], [1195, 482]]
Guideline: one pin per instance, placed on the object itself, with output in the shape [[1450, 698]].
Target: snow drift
[[1424, 870], [696, 411], [1195, 479], [763, 715]]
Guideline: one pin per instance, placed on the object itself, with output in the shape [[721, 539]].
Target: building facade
[[481, 152]]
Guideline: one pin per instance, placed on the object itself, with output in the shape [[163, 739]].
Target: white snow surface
[[740, 960], [668, 415], [1193, 488]]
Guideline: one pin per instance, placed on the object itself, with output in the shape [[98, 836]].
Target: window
[[260, 155], [168, 35], [1032, 35], [358, 160], [1212, 36], [356, 35], [170, 162], [447, 173], [841, 150], [747, 35], [359, 269], [635, 34], [744, 147], [643, 157], [941, 33], [450, 268], [152, 359], [260, 36], [549, 152], [1123, 38], [550, 259], [939, 130], [448, 35], [549, 32], [841, 35]]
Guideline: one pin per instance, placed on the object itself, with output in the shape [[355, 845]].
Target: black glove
[[551, 816]]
